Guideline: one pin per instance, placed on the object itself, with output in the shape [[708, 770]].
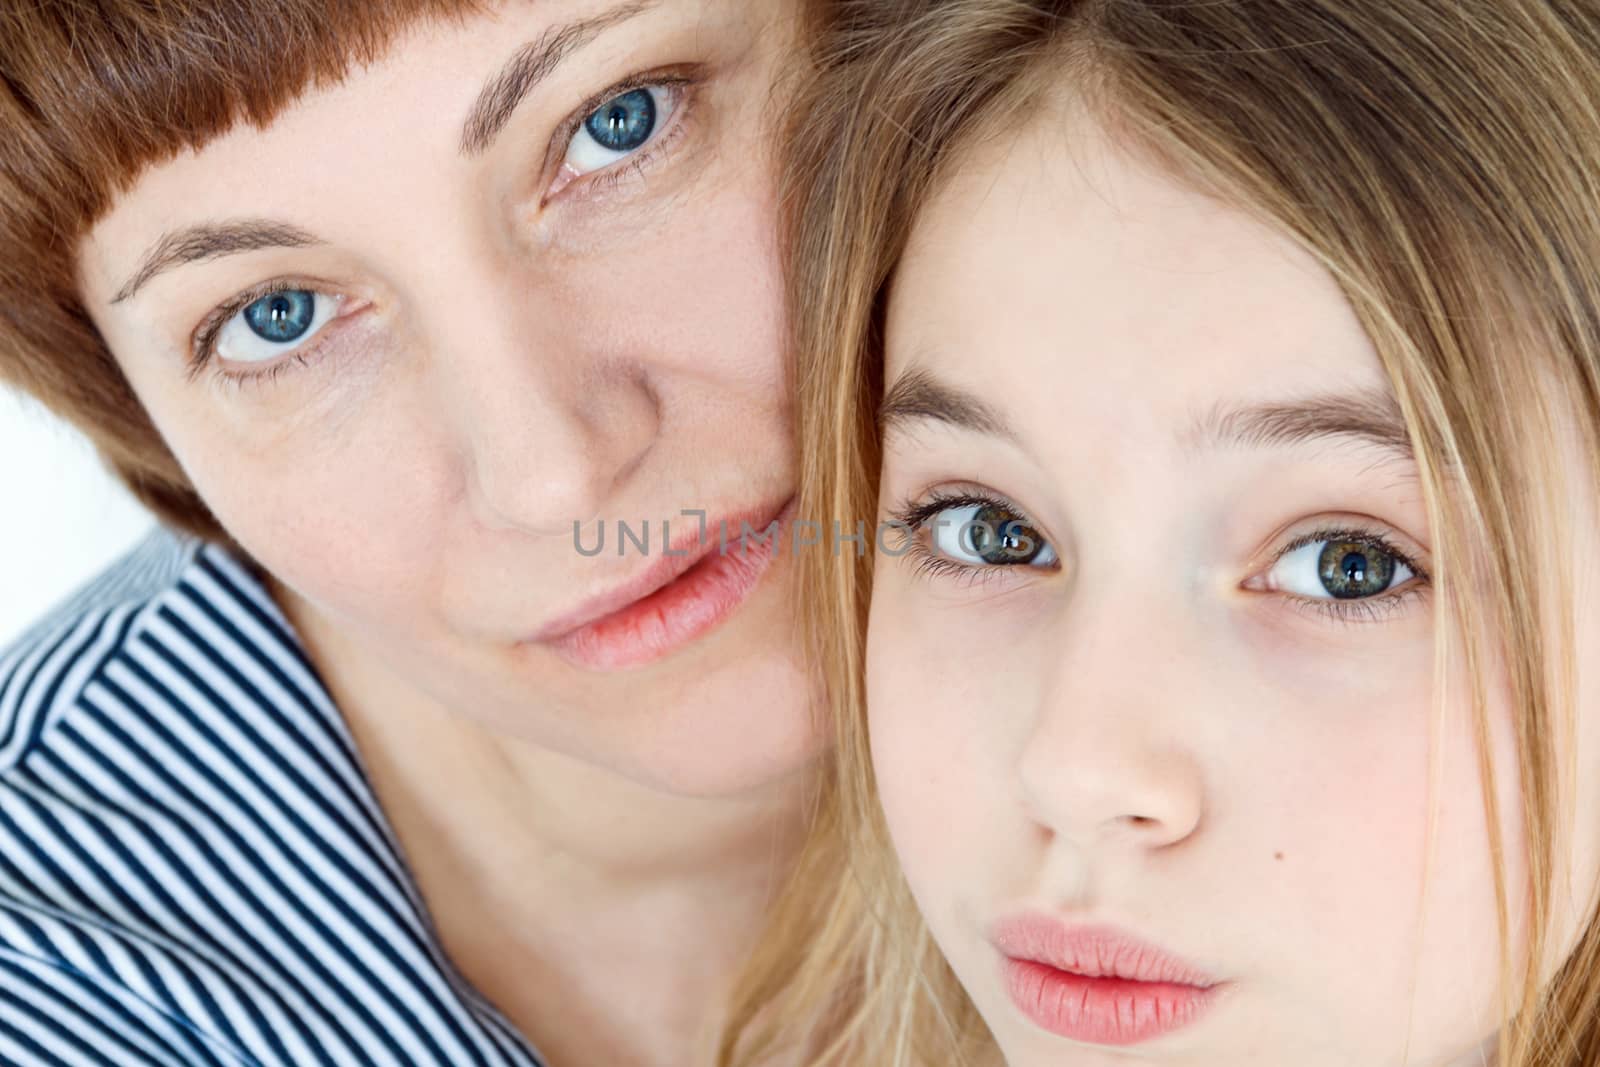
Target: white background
[[62, 516]]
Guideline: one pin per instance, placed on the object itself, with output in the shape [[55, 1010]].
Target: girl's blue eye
[[988, 535], [1339, 570], [282, 317], [624, 122]]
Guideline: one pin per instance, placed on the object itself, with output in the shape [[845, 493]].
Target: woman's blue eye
[[620, 127], [624, 122], [273, 325], [282, 317], [1339, 569]]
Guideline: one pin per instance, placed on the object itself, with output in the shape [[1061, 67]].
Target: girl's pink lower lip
[[1101, 1011], [677, 613]]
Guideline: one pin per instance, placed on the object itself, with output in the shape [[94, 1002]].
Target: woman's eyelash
[[640, 161], [204, 350], [267, 374], [681, 81]]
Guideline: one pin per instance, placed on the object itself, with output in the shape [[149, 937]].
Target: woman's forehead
[[427, 114]]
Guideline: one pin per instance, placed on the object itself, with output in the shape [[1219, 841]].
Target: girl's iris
[[282, 317], [999, 538], [1350, 570], [625, 122]]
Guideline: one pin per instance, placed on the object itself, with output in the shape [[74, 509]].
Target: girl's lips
[[686, 597], [1098, 985]]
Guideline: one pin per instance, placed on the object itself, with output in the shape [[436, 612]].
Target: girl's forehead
[[1057, 266]]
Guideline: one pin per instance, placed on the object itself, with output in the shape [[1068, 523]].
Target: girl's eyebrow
[[1369, 415], [918, 396]]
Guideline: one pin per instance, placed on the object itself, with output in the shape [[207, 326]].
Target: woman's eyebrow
[[496, 102], [502, 93], [212, 240]]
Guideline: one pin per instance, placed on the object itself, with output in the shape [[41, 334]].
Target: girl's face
[[1151, 684], [531, 288]]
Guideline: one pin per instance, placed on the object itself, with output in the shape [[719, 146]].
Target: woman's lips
[[1097, 985], [687, 593]]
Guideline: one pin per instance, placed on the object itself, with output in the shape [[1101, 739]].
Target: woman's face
[[530, 288], [1151, 684]]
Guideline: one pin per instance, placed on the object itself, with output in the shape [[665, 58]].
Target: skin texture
[[1164, 731], [516, 347]]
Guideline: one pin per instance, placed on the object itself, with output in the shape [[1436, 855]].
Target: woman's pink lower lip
[[1101, 1011], [676, 614]]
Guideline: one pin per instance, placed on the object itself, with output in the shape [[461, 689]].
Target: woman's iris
[[282, 317], [625, 122], [1350, 570]]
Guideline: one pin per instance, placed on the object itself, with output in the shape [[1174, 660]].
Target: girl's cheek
[[1582, 795], [925, 712], [949, 706]]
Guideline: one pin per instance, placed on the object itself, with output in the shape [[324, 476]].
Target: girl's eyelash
[[915, 515], [1364, 610], [1370, 538], [912, 516], [1360, 609]]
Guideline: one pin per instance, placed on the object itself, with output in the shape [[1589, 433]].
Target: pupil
[[1355, 567]]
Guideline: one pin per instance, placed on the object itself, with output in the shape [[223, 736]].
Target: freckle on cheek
[[1278, 856]]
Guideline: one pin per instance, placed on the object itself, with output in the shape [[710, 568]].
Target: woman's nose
[[551, 431], [1108, 758]]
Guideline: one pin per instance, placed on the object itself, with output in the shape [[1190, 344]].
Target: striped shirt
[[193, 867]]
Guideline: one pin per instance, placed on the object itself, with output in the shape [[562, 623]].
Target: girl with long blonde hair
[[1223, 382]]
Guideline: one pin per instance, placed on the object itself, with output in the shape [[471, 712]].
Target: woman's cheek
[[715, 317], [354, 522]]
